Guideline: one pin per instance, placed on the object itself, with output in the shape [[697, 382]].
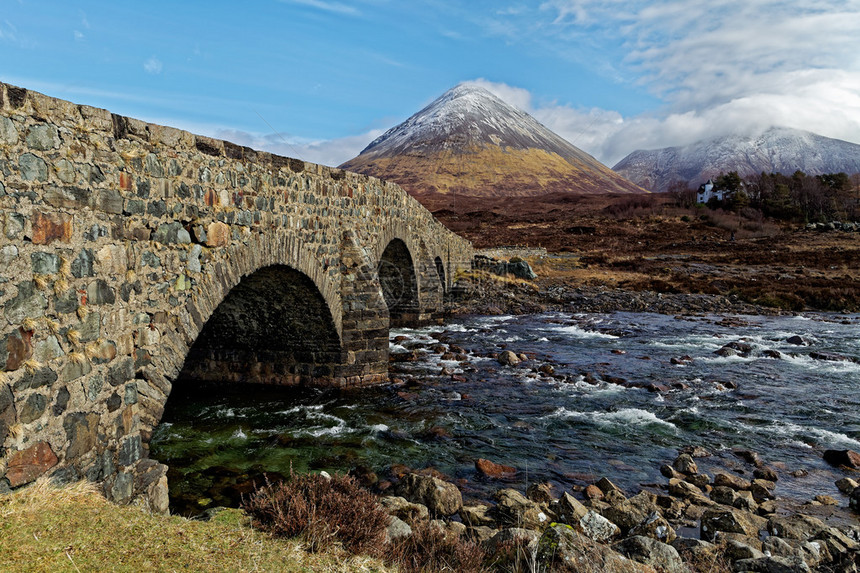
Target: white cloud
[[725, 66], [153, 65], [8, 31], [330, 152], [336, 7], [79, 36]]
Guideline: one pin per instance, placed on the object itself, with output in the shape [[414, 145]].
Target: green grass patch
[[43, 528]]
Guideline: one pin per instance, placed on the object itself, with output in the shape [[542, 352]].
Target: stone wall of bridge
[[131, 252]]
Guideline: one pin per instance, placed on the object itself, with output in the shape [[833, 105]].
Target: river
[[617, 405]]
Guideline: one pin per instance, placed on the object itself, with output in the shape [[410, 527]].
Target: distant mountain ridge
[[470, 142], [777, 150]]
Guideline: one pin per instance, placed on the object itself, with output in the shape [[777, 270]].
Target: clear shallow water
[[568, 429]]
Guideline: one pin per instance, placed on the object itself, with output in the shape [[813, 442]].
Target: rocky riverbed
[[692, 521]]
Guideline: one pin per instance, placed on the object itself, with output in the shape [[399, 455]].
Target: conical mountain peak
[[471, 142]]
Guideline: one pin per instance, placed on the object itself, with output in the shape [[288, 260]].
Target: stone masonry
[[120, 240]]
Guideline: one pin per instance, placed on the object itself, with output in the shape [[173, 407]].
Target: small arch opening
[[399, 287]]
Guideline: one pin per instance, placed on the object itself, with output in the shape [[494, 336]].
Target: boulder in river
[[848, 458], [508, 358], [493, 470]]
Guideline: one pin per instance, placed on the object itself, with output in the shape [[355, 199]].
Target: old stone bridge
[[134, 255]]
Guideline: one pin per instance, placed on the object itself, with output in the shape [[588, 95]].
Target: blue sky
[[320, 79]]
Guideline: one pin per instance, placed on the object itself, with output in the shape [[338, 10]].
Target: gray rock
[[396, 529], [651, 552], [130, 451], [14, 226], [508, 358], [82, 266], [40, 378], [440, 497], [515, 510], [194, 258], [122, 488], [8, 133], [153, 166], [796, 526], [632, 512], [8, 254], [47, 349], [597, 527], [81, 430], [730, 520], [32, 168], [476, 515], [561, 548], [65, 171], [685, 464], [737, 550], [45, 263], [99, 292], [43, 137], [771, 565], [33, 408]]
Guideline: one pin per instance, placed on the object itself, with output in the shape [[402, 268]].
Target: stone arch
[[398, 280], [241, 261], [273, 327]]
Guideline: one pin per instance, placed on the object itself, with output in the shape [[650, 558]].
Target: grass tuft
[[323, 511]]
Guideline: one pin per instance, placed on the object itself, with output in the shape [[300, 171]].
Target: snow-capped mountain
[[777, 150], [470, 142]]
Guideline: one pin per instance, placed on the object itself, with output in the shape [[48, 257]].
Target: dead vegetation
[[653, 242]]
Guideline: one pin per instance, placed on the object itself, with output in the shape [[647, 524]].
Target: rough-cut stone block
[[48, 228], [15, 349], [27, 465], [82, 432]]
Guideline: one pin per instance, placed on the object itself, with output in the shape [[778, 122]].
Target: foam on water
[[623, 417], [577, 332]]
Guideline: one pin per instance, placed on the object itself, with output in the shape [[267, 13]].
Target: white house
[[707, 192]]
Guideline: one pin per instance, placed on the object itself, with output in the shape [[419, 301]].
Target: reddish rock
[[592, 492], [27, 465], [492, 469], [19, 349], [125, 181], [217, 234], [50, 228]]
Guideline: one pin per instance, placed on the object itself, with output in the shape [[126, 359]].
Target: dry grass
[[480, 276], [44, 529], [430, 549], [324, 511]]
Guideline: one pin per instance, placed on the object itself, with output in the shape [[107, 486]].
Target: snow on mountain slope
[[777, 150], [469, 141]]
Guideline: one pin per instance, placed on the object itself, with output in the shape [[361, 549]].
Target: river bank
[[481, 293]]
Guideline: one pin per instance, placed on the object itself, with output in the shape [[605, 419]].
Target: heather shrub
[[322, 510], [431, 549]]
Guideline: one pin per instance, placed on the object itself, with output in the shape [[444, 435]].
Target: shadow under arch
[[273, 327], [399, 283], [440, 270]]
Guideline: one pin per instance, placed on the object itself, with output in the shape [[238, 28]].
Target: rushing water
[[570, 428]]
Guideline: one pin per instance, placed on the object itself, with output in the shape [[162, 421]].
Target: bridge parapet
[[121, 242]]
